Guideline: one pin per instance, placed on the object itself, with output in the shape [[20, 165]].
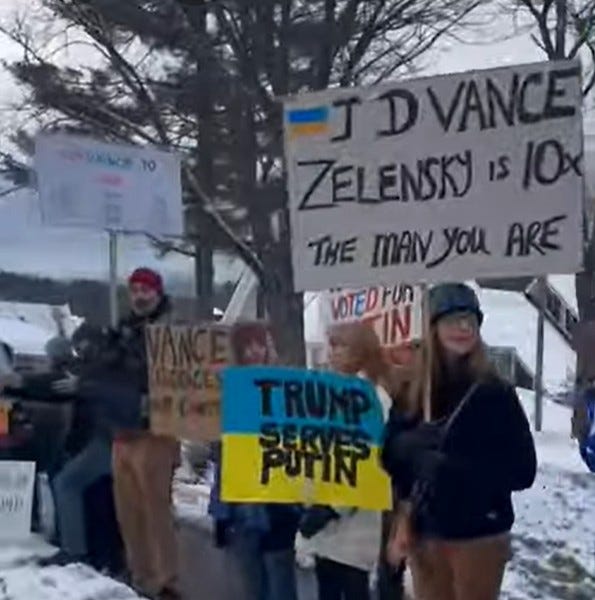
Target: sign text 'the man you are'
[[445, 178]]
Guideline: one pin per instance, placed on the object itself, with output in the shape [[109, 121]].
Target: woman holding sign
[[346, 542], [260, 537], [457, 472]]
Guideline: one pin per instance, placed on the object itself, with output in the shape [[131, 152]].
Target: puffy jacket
[[460, 475]]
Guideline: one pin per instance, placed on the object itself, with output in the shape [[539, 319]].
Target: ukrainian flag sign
[[307, 122], [299, 436]]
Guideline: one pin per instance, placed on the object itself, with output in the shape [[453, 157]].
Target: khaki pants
[[143, 469], [469, 570]]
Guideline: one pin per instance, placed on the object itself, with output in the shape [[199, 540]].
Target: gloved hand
[[67, 386], [315, 519]]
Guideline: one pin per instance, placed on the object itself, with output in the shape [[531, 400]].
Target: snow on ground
[[22, 579], [554, 535]]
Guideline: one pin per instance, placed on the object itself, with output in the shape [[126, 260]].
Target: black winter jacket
[[115, 386], [460, 478]]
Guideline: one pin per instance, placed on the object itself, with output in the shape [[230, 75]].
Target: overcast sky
[[27, 247]]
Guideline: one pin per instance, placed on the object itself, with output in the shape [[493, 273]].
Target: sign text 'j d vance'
[[496, 155]]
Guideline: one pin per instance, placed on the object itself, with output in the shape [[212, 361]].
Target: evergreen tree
[[204, 77]]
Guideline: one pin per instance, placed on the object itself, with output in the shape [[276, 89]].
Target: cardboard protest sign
[[394, 312], [292, 435], [184, 389], [437, 179], [16, 499]]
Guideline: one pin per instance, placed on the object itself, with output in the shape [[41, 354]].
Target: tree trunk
[[204, 270], [284, 306]]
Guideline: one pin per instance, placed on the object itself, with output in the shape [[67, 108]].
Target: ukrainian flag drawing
[[306, 122], [300, 436]]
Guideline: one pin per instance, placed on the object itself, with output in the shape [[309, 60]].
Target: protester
[[50, 411], [90, 458], [51, 406], [261, 537], [144, 463], [346, 542], [456, 474]]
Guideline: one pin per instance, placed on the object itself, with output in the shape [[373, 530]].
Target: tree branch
[[541, 19]]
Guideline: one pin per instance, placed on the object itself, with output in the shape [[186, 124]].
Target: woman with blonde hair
[[346, 542], [457, 472]]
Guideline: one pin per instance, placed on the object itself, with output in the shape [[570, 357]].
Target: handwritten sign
[[445, 178], [184, 391], [292, 435], [394, 312], [91, 184], [16, 499]]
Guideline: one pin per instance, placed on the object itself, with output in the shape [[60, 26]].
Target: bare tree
[[208, 85]]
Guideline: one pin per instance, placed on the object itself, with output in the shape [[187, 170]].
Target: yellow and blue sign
[[305, 122], [300, 436]]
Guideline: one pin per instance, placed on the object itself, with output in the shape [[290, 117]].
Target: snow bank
[[22, 579]]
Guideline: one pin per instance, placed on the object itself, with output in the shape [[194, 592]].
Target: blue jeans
[[266, 575], [92, 463]]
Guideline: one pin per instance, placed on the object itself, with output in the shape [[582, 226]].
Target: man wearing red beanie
[[143, 463]]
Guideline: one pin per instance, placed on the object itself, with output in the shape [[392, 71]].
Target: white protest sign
[[394, 312], [90, 184], [437, 179], [16, 499]]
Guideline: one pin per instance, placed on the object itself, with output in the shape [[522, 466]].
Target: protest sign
[[394, 312], [86, 183], [16, 499], [184, 389], [437, 179], [292, 435]]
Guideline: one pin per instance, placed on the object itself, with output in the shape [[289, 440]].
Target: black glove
[[315, 519]]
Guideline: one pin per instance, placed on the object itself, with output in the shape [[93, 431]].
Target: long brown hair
[[366, 351], [244, 333], [430, 358]]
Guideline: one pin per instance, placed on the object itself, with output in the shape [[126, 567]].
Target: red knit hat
[[147, 277]]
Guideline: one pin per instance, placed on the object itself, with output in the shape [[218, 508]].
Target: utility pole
[[203, 265], [541, 284]]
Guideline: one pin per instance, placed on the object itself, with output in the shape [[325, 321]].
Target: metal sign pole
[[113, 278], [541, 283]]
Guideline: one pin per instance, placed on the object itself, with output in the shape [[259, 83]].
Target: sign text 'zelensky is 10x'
[[444, 178]]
